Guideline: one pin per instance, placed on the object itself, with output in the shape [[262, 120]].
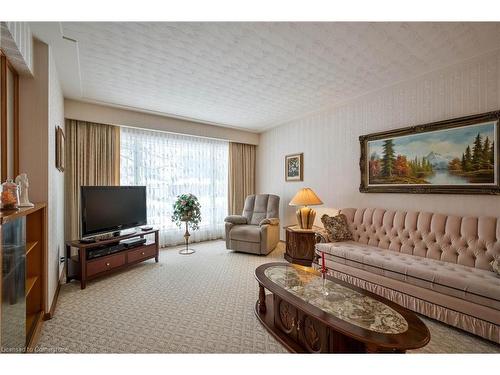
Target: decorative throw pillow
[[496, 265], [336, 228]]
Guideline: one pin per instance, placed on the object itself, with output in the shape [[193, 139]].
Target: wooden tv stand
[[78, 267]]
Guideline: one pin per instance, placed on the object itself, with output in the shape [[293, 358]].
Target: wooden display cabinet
[[23, 281]]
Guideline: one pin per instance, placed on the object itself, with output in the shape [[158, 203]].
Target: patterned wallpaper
[[329, 139]]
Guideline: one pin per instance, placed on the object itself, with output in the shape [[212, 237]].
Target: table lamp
[[305, 215]]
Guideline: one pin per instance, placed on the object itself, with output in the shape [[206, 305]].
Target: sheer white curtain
[[169, 165]]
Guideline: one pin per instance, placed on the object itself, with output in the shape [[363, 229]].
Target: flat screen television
[[106, 209]]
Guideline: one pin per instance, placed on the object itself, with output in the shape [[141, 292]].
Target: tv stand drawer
[[143, 252], [105, 264]]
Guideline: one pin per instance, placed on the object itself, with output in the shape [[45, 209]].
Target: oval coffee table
[[309, 314]]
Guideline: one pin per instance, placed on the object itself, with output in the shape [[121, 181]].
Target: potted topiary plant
[[187, 210]]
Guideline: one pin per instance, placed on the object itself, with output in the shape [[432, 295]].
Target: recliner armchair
[[257, 230]]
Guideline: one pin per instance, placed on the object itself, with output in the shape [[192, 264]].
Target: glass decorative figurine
[[9, 196]]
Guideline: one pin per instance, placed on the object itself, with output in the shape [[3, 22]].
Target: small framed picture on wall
[[294, 167]]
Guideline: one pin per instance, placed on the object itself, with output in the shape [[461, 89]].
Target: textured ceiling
[[258, 75]]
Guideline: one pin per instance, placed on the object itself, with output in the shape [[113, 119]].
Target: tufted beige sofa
[[437, 265]]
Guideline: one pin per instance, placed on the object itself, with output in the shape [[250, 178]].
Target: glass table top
[[340, 301]]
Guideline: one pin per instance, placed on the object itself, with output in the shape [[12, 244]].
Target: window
[[169, 165]]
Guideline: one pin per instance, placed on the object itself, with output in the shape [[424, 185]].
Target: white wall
[[56, 182], [329, 140], [33, 124], [41, 109], [119, 116]]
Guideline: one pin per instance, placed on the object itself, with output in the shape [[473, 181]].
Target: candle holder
[[323, 286], [323, 274]]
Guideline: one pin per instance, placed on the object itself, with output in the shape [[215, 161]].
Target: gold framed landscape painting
[[453, 156], [294, 167]]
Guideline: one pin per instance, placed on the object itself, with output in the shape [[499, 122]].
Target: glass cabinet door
[[13, 313]]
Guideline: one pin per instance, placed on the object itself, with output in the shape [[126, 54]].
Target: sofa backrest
[[261, 206], [469, 241]]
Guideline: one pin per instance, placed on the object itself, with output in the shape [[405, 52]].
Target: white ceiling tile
[[257, 75]]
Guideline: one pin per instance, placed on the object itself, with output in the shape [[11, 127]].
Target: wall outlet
[[62, 259]]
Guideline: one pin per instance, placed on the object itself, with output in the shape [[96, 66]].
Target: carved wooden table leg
[[262, 300]]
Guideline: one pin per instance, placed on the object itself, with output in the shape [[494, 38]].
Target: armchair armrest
[[270, 221], [236, 219], [321, 236]]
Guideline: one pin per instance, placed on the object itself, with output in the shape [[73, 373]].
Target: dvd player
[[105, 250], [133, 242]]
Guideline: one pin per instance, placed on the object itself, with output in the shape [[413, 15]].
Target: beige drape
[[241, 175], [92, 158]]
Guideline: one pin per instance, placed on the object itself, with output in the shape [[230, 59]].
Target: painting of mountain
[[464, 155]]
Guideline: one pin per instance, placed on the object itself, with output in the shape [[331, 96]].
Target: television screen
[[112, 208]]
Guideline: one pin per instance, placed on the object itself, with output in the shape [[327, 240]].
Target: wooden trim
[[3, 115], [49, 315], [16, 125], [45, 262], [1, 263], [6, 66], [36, 266], [33, 339], [6, 216], [11, 67], [427, 189]]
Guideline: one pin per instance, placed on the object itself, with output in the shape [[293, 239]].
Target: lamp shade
[[305, 197]]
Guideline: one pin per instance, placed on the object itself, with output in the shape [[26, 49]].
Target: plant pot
[[186, 217]]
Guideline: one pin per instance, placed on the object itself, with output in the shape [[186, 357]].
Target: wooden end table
[[300, 244]]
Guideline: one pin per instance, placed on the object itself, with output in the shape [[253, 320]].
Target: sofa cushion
[[468, 283], [248, 233], [336, 228], [495, 264]]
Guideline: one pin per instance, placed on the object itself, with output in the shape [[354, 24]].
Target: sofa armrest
[[236, 219], [270, 221], [321, 236]]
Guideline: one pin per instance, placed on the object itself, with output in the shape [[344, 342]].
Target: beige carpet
[[201, 303]]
